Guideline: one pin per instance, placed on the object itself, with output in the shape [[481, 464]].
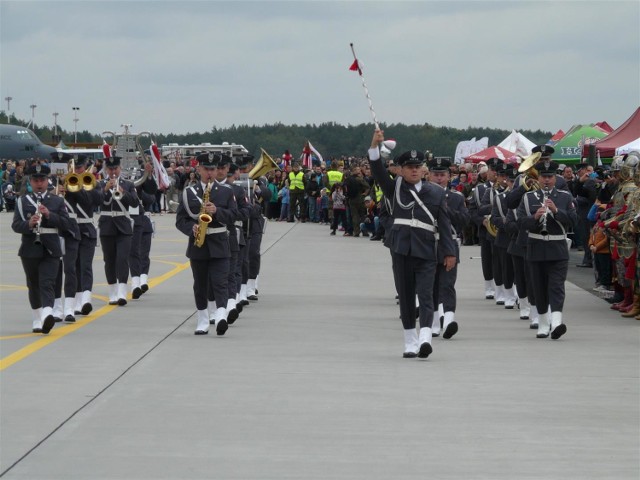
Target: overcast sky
[[187, 66]]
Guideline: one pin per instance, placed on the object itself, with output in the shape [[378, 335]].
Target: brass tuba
[[204, 219], [264, 165], [529, 173]]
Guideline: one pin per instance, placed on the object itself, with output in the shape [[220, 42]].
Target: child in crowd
[[339, 208], [284, 209], [324, 207], [599, 246], [371, 222]]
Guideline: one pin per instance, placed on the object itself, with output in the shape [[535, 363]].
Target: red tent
[[625, 133], [556, 138], [490, 152]]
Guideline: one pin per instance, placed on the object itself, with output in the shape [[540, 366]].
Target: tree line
[[331, 139]]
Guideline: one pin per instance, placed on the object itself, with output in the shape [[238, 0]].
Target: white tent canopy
[[518, 143], [633, 146]]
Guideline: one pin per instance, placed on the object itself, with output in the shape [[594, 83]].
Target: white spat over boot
[[411, 344], [425, 343]]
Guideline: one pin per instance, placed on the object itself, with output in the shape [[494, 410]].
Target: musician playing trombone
[[116, 229], [547, 214], [41, 218]]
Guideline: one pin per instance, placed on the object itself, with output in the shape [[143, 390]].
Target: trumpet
[[115, 190], [204, 219], [37, 241]]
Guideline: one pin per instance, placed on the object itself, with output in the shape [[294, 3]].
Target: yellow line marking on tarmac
[[63, 331], [12, 287]]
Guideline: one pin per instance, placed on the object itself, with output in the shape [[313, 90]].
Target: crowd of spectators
[[342, 194]]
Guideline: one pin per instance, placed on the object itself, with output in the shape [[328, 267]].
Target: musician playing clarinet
[[41, 218], [547, 214]]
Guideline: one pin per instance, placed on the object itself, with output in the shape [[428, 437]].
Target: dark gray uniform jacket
[[216, 245], [113, 225], [557, 225], [409, 240], [58, 218]]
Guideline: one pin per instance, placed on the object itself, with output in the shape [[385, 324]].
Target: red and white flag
[[159, 173], [308, 152]]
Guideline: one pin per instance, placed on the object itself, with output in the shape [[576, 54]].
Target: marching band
[[524, 215]]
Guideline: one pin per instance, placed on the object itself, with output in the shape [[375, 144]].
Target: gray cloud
[[186, 66]]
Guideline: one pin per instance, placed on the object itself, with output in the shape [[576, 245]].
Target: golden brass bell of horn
[[264, 165], [529, 173]]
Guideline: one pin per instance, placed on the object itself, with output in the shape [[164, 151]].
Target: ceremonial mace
[[387, 145]]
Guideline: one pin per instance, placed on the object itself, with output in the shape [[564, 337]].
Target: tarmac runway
[[310, 382]]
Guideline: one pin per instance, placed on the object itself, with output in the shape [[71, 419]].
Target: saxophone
[[204, 219]]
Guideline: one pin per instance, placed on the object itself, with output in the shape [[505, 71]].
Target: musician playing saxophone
[[210, 261], [547, 214], [41, 218], [116, 229]]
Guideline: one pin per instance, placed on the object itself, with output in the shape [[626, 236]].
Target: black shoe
[[239, 307], [221, 327], [201, 332], [48, 324], [244, 303], [233, 316], [70, 319], [135, 294], [425, 350], [37, 330], [144, 287], [617, 298], [365, 234], [584, 265], [542, 335], [57, 319], [122, 302], [86, 309], [252, 297], [333, 232], [533, 326], [409, 355], [435, 335], [356, 234], [78, 312], [451, 330], [558, 331]]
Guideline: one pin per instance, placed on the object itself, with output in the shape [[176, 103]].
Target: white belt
[[114, 214], [85, 220], [47, 230], [238, 223], [134, 210], [537, 236], [73, 215], [415, 223], [211, 231]]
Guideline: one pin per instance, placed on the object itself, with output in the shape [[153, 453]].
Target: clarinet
[[37, 241], [543, 218]]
